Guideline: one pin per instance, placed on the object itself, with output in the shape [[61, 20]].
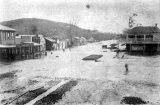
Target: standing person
[[117, 53], [126, 66]]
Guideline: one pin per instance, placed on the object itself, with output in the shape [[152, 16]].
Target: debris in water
[[92, 57]]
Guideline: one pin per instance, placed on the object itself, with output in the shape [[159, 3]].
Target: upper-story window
[[149, 37], [8, 35], [131, 36], [12, 36], [4, 36]]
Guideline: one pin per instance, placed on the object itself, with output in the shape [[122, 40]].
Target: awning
[[7, 46]]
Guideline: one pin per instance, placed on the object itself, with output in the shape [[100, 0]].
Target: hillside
[[51, 28]]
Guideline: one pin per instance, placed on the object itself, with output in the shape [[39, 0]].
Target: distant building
[[50, 44], [143, 39], [90, 40], [68, 43], [62, 44], [83, 41], [38, 38], [76, 41]]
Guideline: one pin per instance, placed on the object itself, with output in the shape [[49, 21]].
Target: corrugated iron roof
[[76, 37], [7, 46], [144, 30], [35, 44], [48, 38], [27, 35], [6, 28]]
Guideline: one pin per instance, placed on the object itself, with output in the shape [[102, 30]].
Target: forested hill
[[52, 28]]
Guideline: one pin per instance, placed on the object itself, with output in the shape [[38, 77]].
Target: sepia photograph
[[80, 52]]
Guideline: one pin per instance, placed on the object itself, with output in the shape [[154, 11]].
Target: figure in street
[[126, 66]]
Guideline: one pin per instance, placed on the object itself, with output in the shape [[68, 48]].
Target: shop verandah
[[23, 51], [146, 48]]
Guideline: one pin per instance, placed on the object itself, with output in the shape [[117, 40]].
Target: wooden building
[[7, 42], [76, 41], [91, 40], [143, 39], [83, 41], [16, 47], [50, 43]]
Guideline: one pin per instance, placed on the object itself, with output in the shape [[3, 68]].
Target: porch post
[[135, 37], [144, 48], [144, 37], [127, 37]]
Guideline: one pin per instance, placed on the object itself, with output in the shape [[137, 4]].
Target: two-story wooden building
[[7, 42], [143, 39], [17, 47]]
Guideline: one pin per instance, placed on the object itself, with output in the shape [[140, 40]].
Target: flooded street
[[108, 74]]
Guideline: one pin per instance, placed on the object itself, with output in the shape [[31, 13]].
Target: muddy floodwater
[[99, 83]]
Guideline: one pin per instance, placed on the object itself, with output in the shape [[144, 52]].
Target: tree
[[72, 23], [34, 29]]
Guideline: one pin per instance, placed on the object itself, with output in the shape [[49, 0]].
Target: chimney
[[156, 25]]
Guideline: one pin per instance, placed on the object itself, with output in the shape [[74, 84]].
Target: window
[[8, 36], [4, 35], [12, 36]]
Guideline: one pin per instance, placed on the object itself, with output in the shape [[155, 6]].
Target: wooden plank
[[32, 102]]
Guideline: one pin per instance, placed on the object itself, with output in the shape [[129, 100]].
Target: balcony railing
[[139, 39]]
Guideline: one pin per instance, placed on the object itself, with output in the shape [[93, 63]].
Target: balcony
[[139, 39]]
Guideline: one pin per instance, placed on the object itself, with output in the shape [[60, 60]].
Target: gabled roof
[[143, 30], [83, 38], [50, 39], [6, 28], [76, 38]]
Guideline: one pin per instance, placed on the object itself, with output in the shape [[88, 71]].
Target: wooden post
[[127, 37], [135, 37], [20, 53], [144, 37]]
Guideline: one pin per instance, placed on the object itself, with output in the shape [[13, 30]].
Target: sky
[[101, 15]]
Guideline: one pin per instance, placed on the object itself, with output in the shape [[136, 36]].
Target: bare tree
[[72, 23]]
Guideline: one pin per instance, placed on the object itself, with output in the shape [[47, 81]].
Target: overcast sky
[[102, 15]]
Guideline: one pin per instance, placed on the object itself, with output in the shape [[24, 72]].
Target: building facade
[[50, 44], [7, 35], [17, 47], [76, 41], [143, 39]]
